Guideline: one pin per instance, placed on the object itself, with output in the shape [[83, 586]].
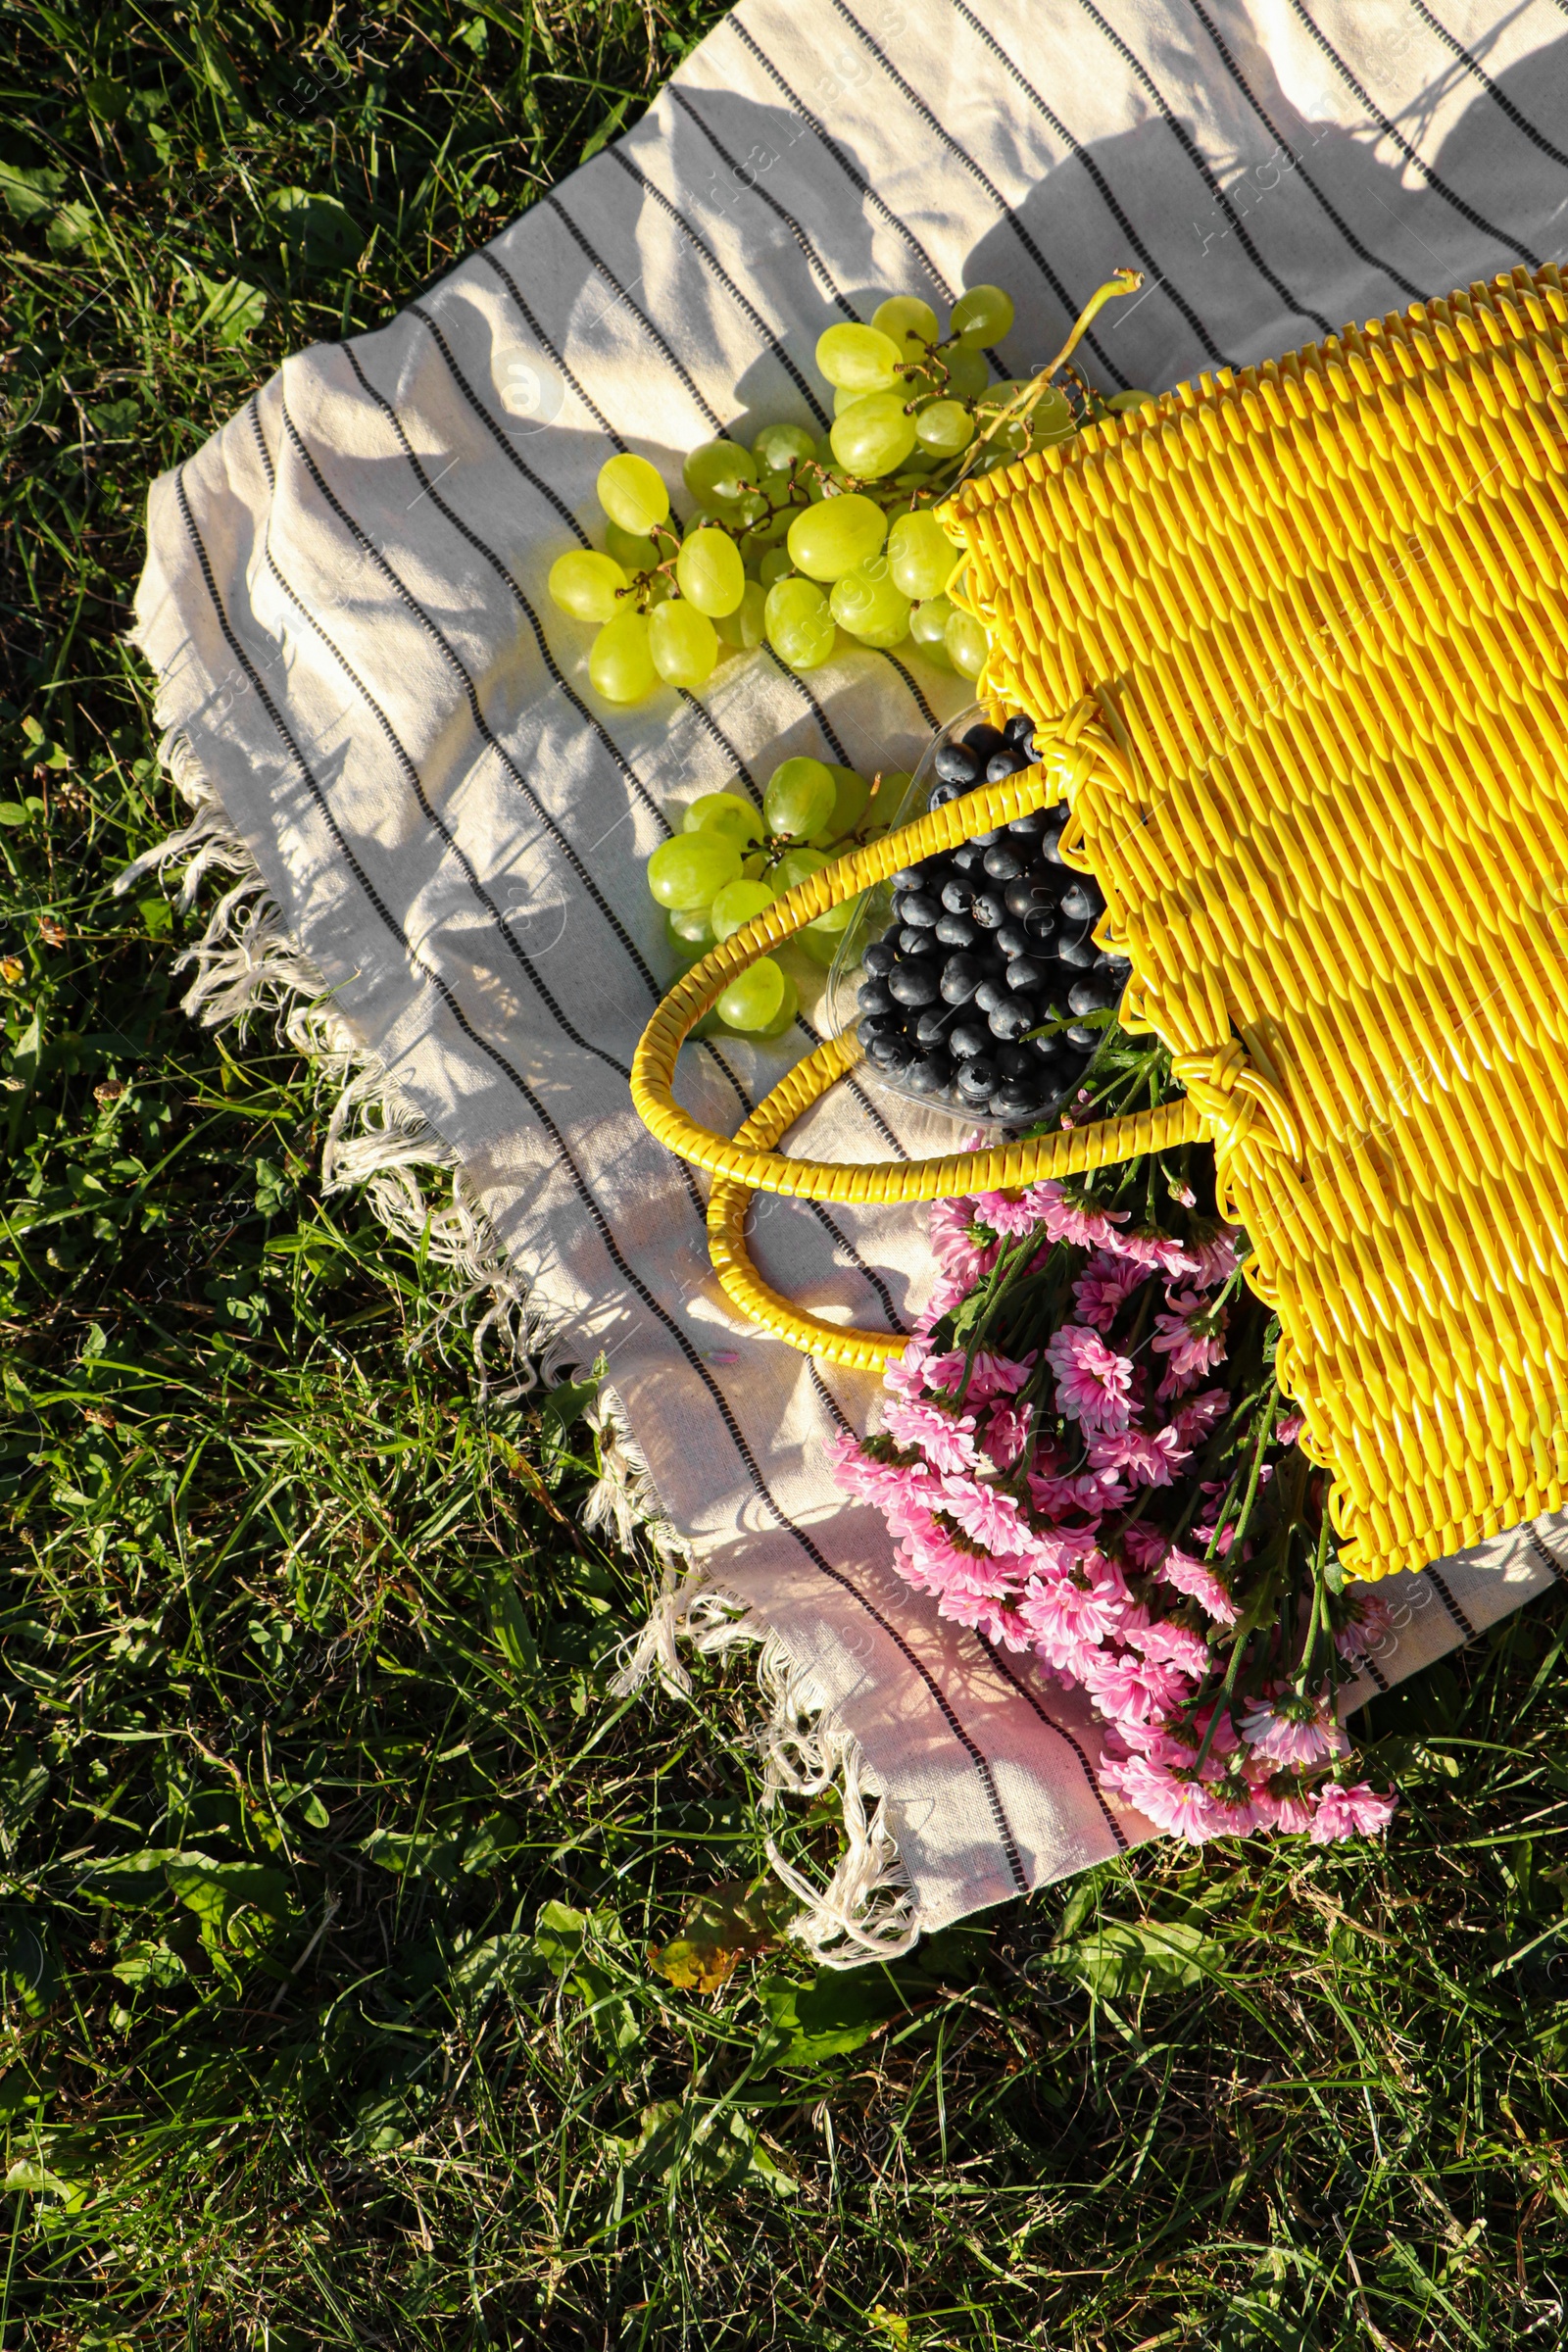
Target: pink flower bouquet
[[1084, 1453]]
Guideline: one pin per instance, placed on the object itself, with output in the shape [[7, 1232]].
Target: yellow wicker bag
[[1298, 637]]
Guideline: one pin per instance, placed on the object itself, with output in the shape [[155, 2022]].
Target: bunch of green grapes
[[728, 862], [795, 538]]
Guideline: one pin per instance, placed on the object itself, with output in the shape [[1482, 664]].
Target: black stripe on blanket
[[558, 358], [1500, 98], [553, 204], [1195, 155], [1281, 147], [1070, 304], [1438, 186], [752, 183], [618, 155], [1085, 156], [862, 186], [1001, 1662]]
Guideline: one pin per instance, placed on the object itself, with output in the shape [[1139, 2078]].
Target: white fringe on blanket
[[245, 963]]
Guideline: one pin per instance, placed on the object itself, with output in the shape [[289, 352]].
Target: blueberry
[[956, 765], [1016, 1061], [922, 908], [966, 857], [1094, 995], [915, 984], [977, 1077], [872, 996], [888, 1052], [931, 1029], [989, 994], [1014, 1019], [967, 1037], [908, 877], [1013, 940], [1020, 728], [1005, 763], [983, 740], [956, 931], [957, 894], [927, 1074], [984, 841], [1028, 829], [989, 909], [1019, 1099], [885, 1023], [1028, 892], [960, 977], [1079, 954], [1050, 1050], [1025, 972], [1116, 967], [1004, 863], [1050, 845], [879, 958], [1083, 902], [1083, 1037]]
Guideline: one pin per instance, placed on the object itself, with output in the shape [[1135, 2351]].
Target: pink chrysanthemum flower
[[1152, 1455], [1061, 1497], [1092, 1380], [1199, 1413], [907, 1375], [1179, 1806], [1292, 1730], [1130, 1689], [986, 1516], [1146, 1246], [1184, 1333], [1064, 1221], [1171, 1644], [1290, 1428], [1199, 1582], [1007, 1433], [1283, 1804], [1213, 1260], [1004, 1212], [1067, 1611], [991, 1375], [962, 1253], [947, 1440], [1371, 1623], [1143, 1546], [1358, 1812], [1103, 1288]]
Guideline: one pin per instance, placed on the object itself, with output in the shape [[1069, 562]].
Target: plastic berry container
[[973, 980]]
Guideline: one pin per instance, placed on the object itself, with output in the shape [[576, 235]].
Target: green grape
[[800, 627], [798, 865], [928, 625], [754, 996], [632, 493], [798, 798], [874, 435], [775, 565], [921, 558], [777, 446], [869, 607], [632, 552], [843, 400], [689, 932], [966, 642], [907, 322], [711, 573], [683, 643], [858, 359], [724, 812], [586, 585], [983, 314], [851, 794], [743, 628], [837, 536], [968, 373], [619, 663], [820, 946], [719, 470], [789, 1006], [944, 428], [1053, 420], [824, 457], [1125, 402], [690, 870], [736, 904]]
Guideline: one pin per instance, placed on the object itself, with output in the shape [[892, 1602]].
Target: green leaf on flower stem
[[835, 2013]]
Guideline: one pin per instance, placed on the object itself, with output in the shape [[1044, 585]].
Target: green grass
[[331, 1870]]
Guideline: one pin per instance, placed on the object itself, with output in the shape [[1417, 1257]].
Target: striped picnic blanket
[[344, 601]]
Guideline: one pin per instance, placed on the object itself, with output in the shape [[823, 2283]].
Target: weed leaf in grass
[[730, 1923]]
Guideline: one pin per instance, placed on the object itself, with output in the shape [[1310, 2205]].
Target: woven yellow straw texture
[[1320, 608]]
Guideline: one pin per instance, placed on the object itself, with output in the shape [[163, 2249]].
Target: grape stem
[[1023, 403]]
